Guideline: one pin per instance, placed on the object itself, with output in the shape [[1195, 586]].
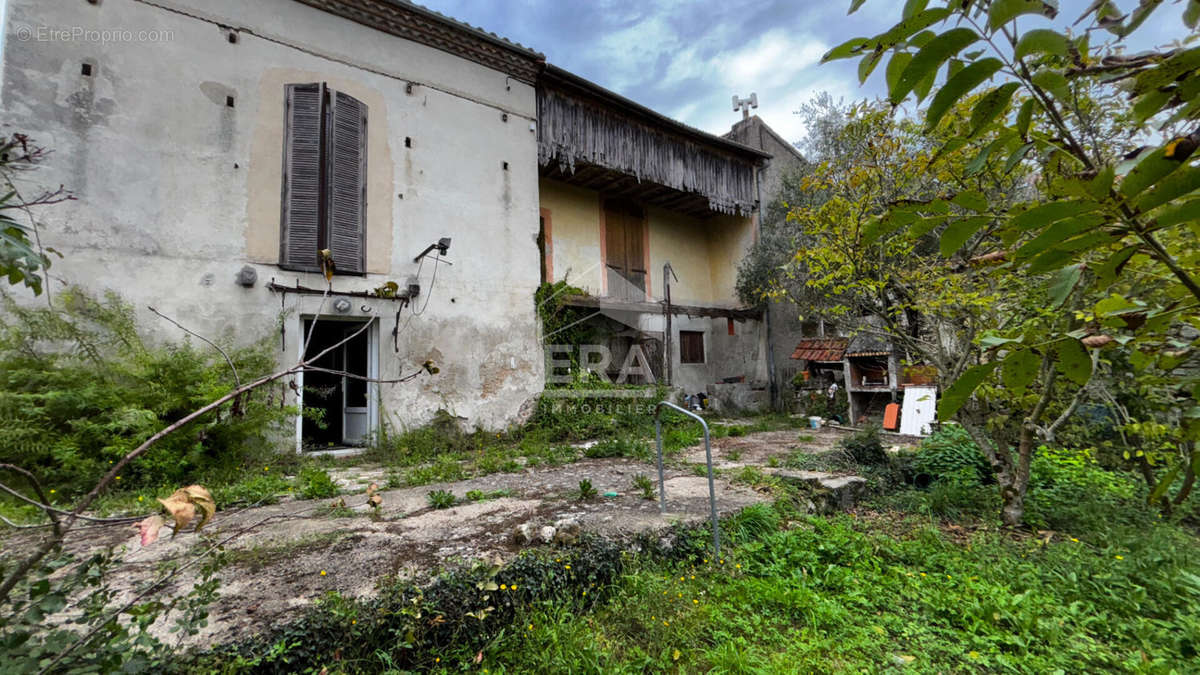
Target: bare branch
[[237, 380]]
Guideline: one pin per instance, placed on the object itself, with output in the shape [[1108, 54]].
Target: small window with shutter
[[324, 179], [691, 346]]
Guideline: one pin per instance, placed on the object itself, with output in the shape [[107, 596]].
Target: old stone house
[[215, 146]]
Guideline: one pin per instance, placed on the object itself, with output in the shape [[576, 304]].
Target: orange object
[[891, 417]]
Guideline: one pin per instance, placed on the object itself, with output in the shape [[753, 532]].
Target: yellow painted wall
[[574, 233], [703, 252]]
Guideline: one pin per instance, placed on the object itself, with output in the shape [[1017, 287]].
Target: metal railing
[[662, 489]]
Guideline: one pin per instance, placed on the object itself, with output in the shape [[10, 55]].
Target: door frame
[[372, 334]]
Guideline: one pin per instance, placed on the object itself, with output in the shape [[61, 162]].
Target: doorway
[[338, 406]]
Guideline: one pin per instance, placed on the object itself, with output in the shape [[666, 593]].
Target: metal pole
[[662, 488], [712, 490]]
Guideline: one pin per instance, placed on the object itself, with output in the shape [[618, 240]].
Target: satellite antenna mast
[[745, 104]]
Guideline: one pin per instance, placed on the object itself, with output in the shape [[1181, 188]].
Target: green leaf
[[959, 231], [1063, 283], [1042, 40], [1024, 117], [1149, 105], [1107, 273], [910, 26], [1041, 216], [895, 68], [1139, 16], [854, 5], [1165, 483], [1101, 185], [1175, 185], [959, 85], [1019, 369], [1074, 362], [990, 341], [913, 6], [957, 394], [991, 106], [929, 59], [1153, 168], [971, 199], [1003, 11], [1017, 155], [1115, 305], [1057, 232], [1053, 82], [1166, 72], [1174, 214], [1191, 14], [852, 47], [867, 65]]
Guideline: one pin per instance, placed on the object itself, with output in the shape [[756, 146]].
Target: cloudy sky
[[687, 58]]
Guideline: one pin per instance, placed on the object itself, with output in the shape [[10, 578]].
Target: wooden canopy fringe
[[582, 126]]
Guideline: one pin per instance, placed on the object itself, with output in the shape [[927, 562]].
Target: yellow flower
[[1074, 540], [530, 627], [438, 660], [51, 490], [322, 572], [693, 576], [681, 578], [140, 498], [738, 566], [266, 468], [503, 587], [695, 601], [118, 478], [666, 623], [680, 595], [513, 587], [353, 622], [1120, 557], [722, 562], [973, 654], [567, 566], [922, 574], [585, 592]]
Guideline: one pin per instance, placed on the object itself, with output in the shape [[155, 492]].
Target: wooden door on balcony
[[625, 250]]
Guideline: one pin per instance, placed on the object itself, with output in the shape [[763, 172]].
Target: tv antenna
[[745, 104]]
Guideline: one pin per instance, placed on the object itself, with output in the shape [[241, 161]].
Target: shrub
[[643, 483], [864, 447], [586, 490], [441, 499], [624, 446], [947, 452], [1069, 490], [79, 389], [316, 483]]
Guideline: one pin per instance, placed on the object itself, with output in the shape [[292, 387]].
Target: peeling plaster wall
[[177, 191], [703, 253]]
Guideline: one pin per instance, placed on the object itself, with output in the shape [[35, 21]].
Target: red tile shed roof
[[821, 349]]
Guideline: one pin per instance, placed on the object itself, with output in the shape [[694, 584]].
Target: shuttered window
[[324, 179], [691, 346], [625, 251]]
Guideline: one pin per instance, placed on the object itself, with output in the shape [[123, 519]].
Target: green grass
[[834, 595]]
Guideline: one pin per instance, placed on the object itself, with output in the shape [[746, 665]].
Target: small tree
[[1112, 232]]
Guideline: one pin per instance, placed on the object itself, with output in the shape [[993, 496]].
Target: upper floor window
[[324, 179], [625, 251]]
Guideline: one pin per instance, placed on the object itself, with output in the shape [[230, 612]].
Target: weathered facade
[[175, 149], [783, 316], [216, 146], [624, 192]]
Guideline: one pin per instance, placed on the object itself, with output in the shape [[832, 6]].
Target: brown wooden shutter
[[347, 182], [301, 219]]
